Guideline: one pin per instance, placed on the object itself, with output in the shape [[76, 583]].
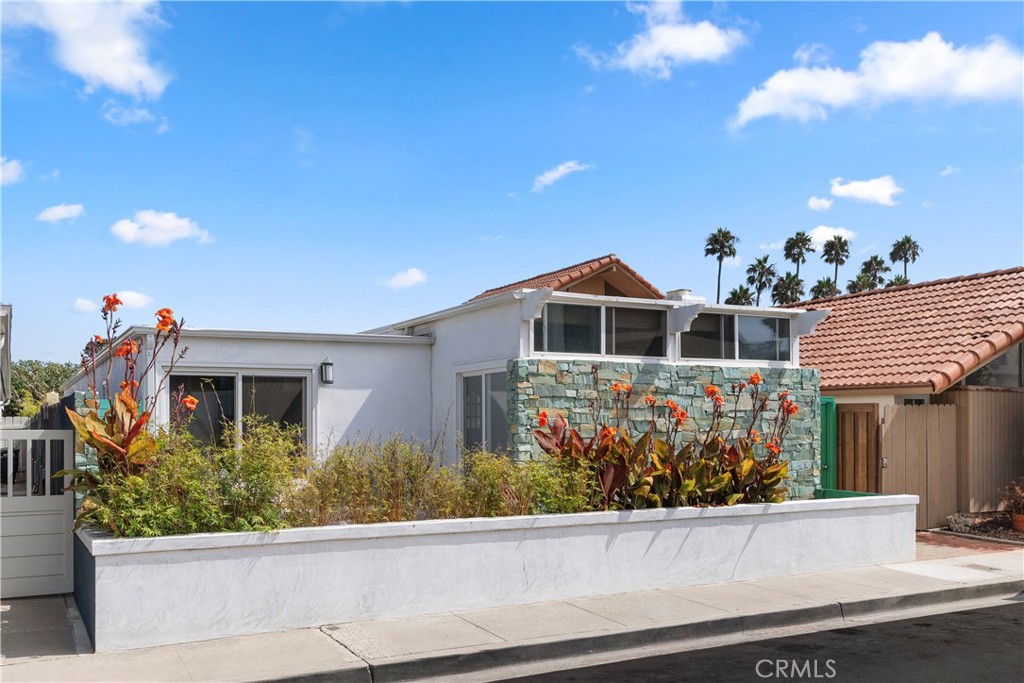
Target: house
[[5, 356], [477, 374], [927, 384]]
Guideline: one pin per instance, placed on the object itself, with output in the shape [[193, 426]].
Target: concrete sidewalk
[[508, 641]]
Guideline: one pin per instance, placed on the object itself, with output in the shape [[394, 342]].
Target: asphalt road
[[973, 646]]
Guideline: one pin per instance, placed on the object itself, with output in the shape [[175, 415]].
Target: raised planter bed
[[145, 592]]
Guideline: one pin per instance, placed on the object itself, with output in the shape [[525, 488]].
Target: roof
[[567, 277], [928, 335]]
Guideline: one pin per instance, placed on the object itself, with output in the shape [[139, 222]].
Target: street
[[976, 646]]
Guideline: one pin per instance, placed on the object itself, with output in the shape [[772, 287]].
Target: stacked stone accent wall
[[566, 388]]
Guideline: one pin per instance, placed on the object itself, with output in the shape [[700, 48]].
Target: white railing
[[30, 457]]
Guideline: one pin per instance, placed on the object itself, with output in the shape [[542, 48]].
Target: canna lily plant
[[118, 431], [660, 467]]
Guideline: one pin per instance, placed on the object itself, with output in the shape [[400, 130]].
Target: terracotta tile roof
[[566, 277], [928, 335]]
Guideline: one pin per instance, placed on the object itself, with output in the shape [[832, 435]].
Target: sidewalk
[[489, 644]]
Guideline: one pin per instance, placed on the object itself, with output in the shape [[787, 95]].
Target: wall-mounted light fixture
[[327, 372]]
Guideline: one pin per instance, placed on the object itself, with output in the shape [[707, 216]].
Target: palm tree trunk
[[757, 302], [797, 270], [835, 280], [718, 293], [905, 269]]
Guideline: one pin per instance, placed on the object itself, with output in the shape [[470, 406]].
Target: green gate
[[828, 443]]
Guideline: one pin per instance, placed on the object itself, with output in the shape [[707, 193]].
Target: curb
[[417, 667]]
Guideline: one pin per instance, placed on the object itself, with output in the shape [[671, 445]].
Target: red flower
[[755, 378], [189, 403], [127, 348], [671, 405], [650, 400], [609, 431], [111, 302], [679, 416], [98, 339], [755, 436], [543, 418], [718, 399], [711, 390], [783, 395]]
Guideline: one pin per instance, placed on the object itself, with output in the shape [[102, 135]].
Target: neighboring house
[[886, 354], [5, 356], [477, 374]]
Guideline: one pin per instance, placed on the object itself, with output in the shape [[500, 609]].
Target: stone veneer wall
[[566, 387]]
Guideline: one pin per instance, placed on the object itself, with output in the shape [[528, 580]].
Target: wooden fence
[[919, 456]]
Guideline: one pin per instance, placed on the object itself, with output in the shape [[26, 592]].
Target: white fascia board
[[446, 313]]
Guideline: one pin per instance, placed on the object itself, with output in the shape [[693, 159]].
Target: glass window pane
[[573, 329], [497, 412], [473, 411], [278, 399], [636, 332], [1004, 371], [763, 338], [216, 404], [711, 336]]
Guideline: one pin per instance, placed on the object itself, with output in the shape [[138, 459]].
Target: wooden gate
[[35, 513], [919, 451], [857, 447]]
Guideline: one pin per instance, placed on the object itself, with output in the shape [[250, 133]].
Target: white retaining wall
[[184, 588]]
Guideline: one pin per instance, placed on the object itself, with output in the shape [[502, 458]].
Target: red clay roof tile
[[566, 277], [928, 335]]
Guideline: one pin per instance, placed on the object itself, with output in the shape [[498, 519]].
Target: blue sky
[[334, 167]]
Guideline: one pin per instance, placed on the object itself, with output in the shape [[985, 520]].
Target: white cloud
[[130, 116], [874, 191], [132, 299], [52, 175], [926, 69], [819, 204], [733, 261], [824, 233], [812, 53], [104, 43], [158, 229], [84, 305], [11, 171], [667, 41], [405, 279], [553, 175], [60, 212], [949, 170], [771, 246], [927, 204]]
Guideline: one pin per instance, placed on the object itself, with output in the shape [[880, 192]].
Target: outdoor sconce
[[327, 372]]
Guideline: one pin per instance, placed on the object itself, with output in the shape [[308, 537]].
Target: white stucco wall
[[222, 585], [477, 340], [381, 386]]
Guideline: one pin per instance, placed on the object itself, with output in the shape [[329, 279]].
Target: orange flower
[[609, 431], [783, 395], [711, 390], [755, 436], [98, 339], [134, 385], [111, 302], [790, 408], [165, 313], [718, 399], [189, 403], [679, 416], [773, 448], [755, 378], [671, 405], [621, 388], [542, 418], [166, 322], [127, 348], [650, 400]]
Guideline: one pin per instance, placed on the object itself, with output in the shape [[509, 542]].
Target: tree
[[875, 269], [897, 281], [722, 245], [31, 380], [740, 296], [825, 288], [862, 283], [796, 249], [788, 289], [836, 251], [906, 250], [761, 276]]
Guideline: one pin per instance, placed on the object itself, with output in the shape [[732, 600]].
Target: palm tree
[[796, 249], [836, 251], [722, 245], [906, 250], [788, 289], [824, 288], [761, 275], [897, 281], [740, 296], [862, 283], [875, 269]]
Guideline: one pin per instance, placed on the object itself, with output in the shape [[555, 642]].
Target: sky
[[333, 167]]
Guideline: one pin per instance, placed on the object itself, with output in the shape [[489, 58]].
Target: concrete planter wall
[[144, 592]]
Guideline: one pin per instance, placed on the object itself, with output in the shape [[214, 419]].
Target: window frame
[[602, 332], [736, 361], [307, 373], [481, 372]]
